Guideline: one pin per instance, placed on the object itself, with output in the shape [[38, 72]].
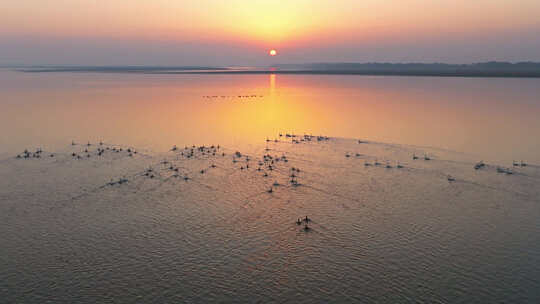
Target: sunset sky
[[236, 32]]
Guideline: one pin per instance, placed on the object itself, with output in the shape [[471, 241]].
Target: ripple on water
[[377, 234]]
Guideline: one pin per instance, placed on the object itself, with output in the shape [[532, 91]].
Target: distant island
[[482, 69]]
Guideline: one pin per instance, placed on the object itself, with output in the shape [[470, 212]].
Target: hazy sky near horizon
[[240, 32]]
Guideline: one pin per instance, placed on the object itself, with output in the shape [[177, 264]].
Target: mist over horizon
[[17, 51]]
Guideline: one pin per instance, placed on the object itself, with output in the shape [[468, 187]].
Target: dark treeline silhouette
[[482, 69]]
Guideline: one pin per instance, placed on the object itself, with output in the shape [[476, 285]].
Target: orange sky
[[260, 24]]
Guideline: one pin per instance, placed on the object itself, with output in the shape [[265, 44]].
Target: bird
[[479, 165]]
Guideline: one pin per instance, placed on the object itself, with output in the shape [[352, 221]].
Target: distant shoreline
[[485, 69], [425, 74]]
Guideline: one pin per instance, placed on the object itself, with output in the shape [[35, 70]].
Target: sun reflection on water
[[157, 111]]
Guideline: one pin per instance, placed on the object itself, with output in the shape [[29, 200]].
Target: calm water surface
[[496, 119], [379, 235]]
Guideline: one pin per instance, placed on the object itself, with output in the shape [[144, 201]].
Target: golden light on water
[[272, 84], [171, 109]]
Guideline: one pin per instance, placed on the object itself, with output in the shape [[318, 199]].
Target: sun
[[272, 52]]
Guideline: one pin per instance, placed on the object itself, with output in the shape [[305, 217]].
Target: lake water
[[496, 119], [90, 223]]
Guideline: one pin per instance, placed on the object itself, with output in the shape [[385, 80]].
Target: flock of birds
[[86, 153], [504, 170], [265, 165], [187, 153], [214, 97], [296, 139], [37, 154], [450, 178]]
